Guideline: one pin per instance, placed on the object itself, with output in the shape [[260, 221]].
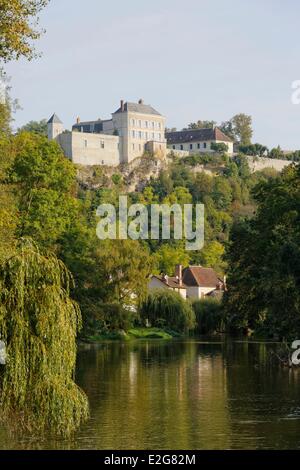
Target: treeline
[[263, 259], [259, 150], [39, 321]]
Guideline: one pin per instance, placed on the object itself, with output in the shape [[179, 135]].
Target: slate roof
[[197, 276], [54, 119], [196, 135], [90, 126], [138, 108]]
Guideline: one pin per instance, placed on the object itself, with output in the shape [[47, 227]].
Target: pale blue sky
[[192, 59]]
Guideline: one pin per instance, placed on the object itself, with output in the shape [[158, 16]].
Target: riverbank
[[132, 334]]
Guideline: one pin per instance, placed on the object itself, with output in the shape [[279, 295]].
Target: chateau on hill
[[133, 129], [197, 140]]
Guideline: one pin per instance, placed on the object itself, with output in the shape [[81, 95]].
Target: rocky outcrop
[[134, 175]]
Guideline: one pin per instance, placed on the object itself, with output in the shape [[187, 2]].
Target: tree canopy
[[264, 261], [39, 323], [19, 28]]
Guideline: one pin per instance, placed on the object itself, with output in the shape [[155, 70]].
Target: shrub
[[208, 313], [168, 309]]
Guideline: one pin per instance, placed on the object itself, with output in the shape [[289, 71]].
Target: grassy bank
[[132, 334]]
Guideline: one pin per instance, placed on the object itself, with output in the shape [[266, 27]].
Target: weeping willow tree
[[165, 308], [39, 323]]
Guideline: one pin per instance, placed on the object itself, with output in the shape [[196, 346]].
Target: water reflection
[[182, 394]]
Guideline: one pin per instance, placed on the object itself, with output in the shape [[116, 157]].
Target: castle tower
[[55, 127]]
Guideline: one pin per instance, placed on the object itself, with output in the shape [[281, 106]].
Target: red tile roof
[[170, 282], [200, 277]]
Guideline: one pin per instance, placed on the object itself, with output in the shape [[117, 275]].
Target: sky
[[191, 59]]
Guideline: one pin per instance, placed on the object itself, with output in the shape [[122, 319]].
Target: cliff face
[[134, 175]]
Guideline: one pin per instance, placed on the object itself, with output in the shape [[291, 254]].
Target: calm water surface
[[181, 394]]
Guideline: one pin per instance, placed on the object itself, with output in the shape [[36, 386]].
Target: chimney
[[78, 120], [141, 101], [122, 106], [178, 273]]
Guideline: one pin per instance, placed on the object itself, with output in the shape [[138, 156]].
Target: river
[[181, 394]]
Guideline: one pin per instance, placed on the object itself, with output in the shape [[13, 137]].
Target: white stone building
[[193, 282], [192, 141], [133, 129]]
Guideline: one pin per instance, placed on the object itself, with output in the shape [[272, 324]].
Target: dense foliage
[[209, 316], [264, 262], [39, 324], [42, 199], [18, 27], [168, 309]]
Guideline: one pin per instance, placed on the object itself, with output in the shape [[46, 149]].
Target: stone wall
[[90, 149], [259, 163]]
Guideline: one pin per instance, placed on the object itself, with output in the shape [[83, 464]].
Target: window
[[153, 136], [133, 134], [153, 125], [132, 122], [140, 123], [204, 145], [159, 125], [191, 146], [102, 162], [146, 124], [198, 145], [159, 137], [140, 134], [146, 135], [181, 147], [133, 146], [102, 145], [174, 147]]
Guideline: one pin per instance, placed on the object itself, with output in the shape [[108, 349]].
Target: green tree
[[8, 204], [239, 128], [256, 150], [39, 324], [212, 255], [201, 186], [276, 153], [222, 193], [220, 147], [168, 309], [180, 196], [209, 316], [37, 127], [202, 124], [264, 261], [44, 184], [18, 26], [167, 256]]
